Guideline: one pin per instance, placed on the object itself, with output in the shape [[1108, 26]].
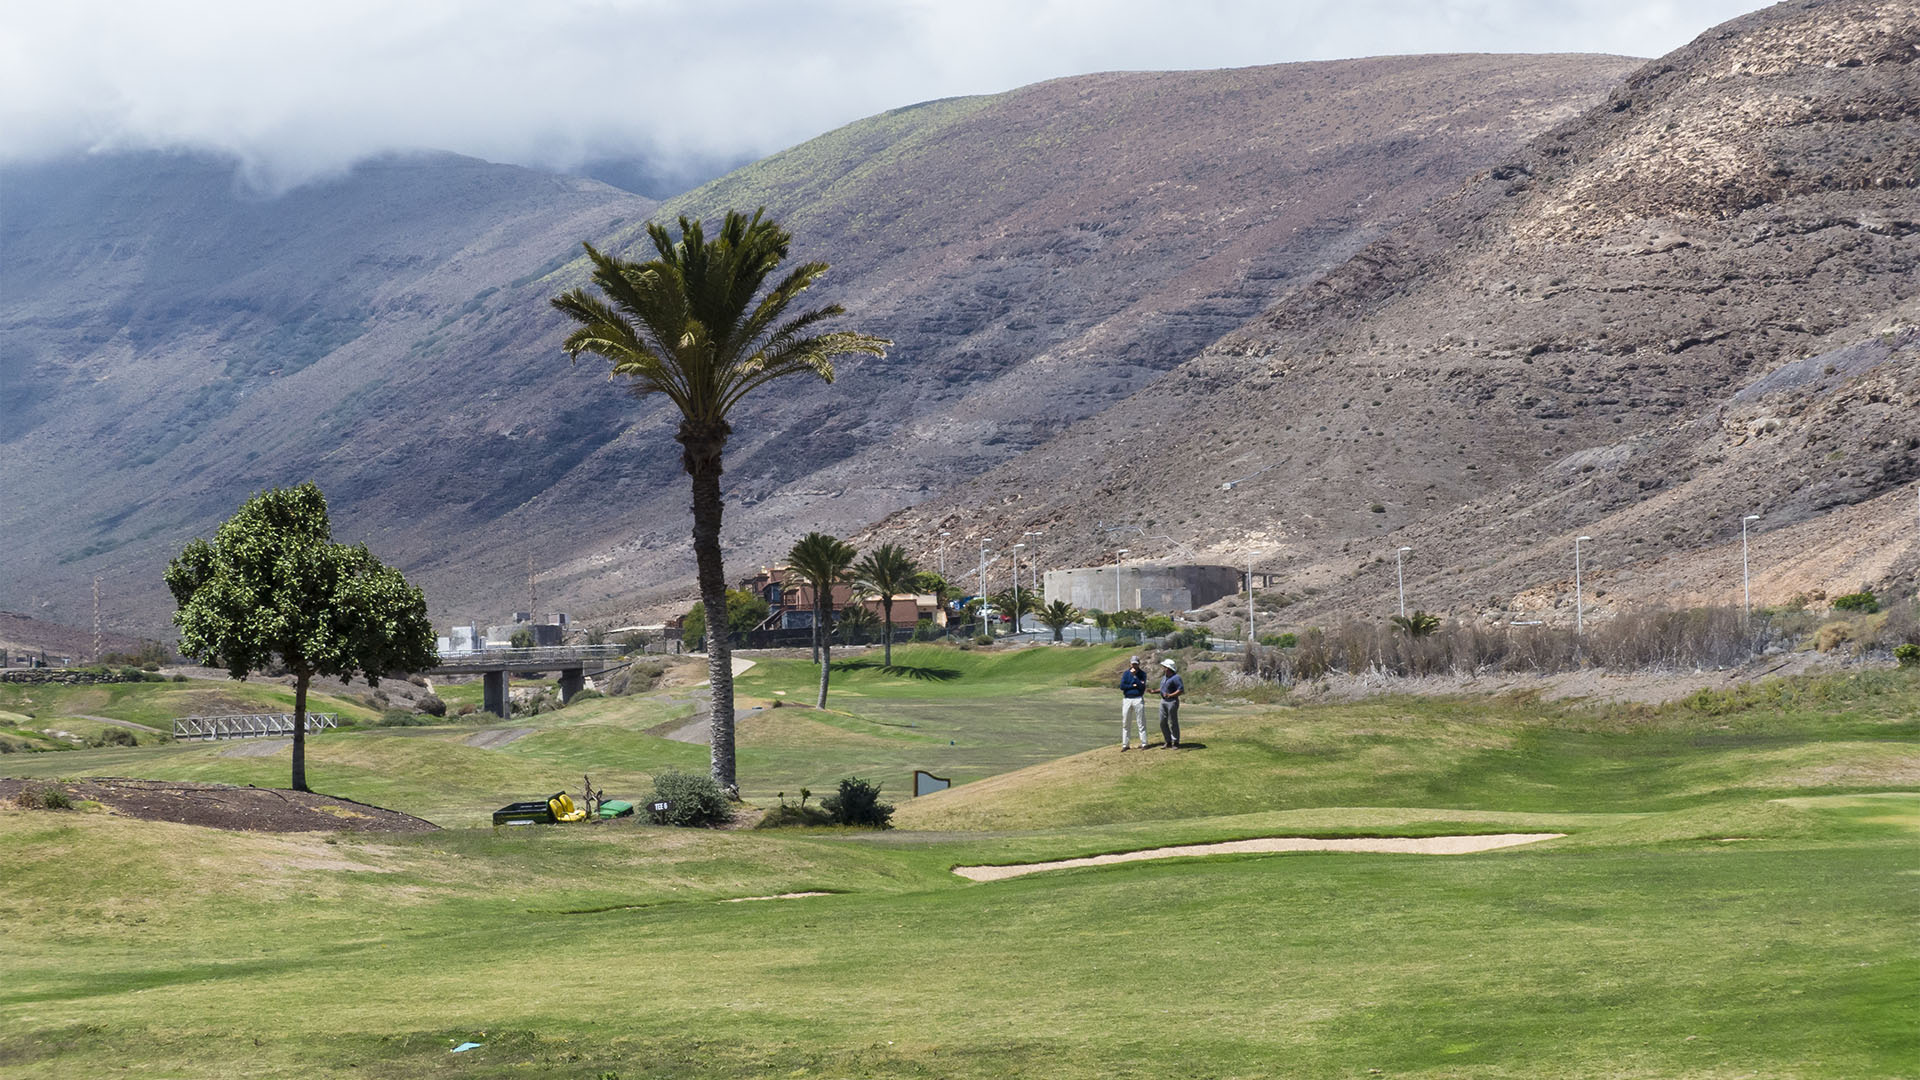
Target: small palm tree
[[687, 325], [1417, 625], [1015, 602], [1104, 622], [856, 625], [887, 570], [822, 561], [1058, 616]]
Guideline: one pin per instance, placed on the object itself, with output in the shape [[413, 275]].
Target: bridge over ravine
[[497, 666]]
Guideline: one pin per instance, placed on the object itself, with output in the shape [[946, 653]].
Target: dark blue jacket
[[1133, 684]]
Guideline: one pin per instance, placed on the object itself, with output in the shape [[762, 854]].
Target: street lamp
[[986, 628], [1122, 554], [1250, 637], [1016, 589], [1579, 606], [944, 533], [1400, 574], [1746, 577]]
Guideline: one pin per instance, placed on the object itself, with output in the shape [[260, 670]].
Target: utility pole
[[1016, 588], [1250, 637], [533, 608], [1400, 575], [986, 627], [1117, 560], [1579, 605]]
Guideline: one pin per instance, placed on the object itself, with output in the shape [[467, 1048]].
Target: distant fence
[[247, 725]]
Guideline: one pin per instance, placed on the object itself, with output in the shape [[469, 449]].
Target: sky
[[298, 92]]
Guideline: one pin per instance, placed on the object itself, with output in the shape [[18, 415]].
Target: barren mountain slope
[[1037, 256], [1567, 337]]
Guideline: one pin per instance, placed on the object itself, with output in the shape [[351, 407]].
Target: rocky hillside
[[170, 343], [1693, 302]]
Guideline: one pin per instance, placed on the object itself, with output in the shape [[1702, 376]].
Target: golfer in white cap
[[1133, 702], [1170, 690]]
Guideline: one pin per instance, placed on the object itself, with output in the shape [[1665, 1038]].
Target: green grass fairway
[[1735, 896]]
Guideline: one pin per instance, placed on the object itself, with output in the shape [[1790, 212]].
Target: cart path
[[128, 724], [496, 738], [1398, 845]]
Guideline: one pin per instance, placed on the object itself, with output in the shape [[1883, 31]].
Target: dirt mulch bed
[[220, 806]]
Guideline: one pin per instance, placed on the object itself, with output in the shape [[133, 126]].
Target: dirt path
[[699, 729], [128, 724], [1397, 845], [496, 738]]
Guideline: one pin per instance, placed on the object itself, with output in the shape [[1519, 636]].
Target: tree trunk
[[826, 650], [300, 731], [702, 461], [886, 608]]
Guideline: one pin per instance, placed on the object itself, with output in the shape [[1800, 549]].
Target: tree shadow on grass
[[900, 671]]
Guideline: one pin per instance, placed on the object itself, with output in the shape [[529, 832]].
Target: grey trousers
[[1170, 722]]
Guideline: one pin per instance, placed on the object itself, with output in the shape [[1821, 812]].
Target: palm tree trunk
[[886, 608], [300, 731], [826, 654], [702, 460]]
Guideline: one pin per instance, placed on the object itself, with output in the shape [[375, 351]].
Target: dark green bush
[[693, 800], [1157, 625], [43, 797], [1190, 639], [858, 803], [1077, 643], [1908, 654], [402, 718], [1280, 641], [179, 678], [116, 737], [925, 630], [8, 746], [983, 640], [432, 705], [585, 695], [1864, 602]]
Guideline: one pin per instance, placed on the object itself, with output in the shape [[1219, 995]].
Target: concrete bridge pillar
[[493, 693], [572, 681]]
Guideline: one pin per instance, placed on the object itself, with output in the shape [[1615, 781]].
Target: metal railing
[[550, 654], [248, 725]]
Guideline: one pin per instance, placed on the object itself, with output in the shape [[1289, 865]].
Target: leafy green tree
[[746, 610], [687, 324], [274, 586], [1417, 625], [887, 570], [1058, 616], [822, 561], [1103, 621], [521, 639]]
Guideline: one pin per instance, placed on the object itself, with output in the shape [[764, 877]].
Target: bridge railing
[[248, 725], [551, 654]]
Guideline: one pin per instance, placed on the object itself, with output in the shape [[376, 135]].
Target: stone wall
[[1143, 586], [71, 676]]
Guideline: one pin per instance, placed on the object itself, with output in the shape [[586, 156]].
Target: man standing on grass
[[1133, 702], [1170, 689]]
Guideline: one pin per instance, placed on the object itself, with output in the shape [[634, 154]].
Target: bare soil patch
[[222, 806], [1394, 845], [496, 738]]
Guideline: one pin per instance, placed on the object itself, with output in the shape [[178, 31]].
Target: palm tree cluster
[[824, 562]]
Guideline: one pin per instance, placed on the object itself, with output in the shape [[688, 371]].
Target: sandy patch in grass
[[1393, 845], [496, 738], [776, 896]]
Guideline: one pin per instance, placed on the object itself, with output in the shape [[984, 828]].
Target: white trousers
[[1135, 709]]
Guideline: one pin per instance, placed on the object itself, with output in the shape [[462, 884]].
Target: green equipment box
[[614, 808]]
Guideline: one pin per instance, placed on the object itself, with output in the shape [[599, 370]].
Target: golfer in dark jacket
[[1133, 702], [1170, 690]]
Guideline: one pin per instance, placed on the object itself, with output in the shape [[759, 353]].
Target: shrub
[[46, 797], [585, 695], [1077, 643], [116, 737], [1832, 636], [402, 718], [1156, 625], [8, 746], [1908, 654], [1864, 602], [925, 630], [432, 705], [149, 666], [521, 639], [858, 803], [1280, 641], [635, 642], [693, 800], [179, 678], [982, 639], [1196, 638]]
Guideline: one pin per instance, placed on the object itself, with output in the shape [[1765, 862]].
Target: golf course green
[[1735, 893]]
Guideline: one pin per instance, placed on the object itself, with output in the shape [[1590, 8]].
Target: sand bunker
[[1394, 845], [780, 896]]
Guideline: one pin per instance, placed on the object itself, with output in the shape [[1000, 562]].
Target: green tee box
[[616, 808]]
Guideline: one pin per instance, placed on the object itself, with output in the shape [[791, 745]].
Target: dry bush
[[1832, 636]]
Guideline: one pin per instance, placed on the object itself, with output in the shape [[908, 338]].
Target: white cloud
[[301, 90]]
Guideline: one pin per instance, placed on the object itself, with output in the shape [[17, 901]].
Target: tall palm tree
[[688, 325], [823, 562], [1058, 616], [887, 570]]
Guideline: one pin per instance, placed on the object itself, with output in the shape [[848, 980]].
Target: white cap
[[1135, 660], [1168, 664]]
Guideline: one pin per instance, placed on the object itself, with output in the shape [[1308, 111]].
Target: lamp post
[[1400, 575], [1016, 589], [986, 628], [1579, 606], [1036, 570], [944, 533], [1250, 638], [1117, 559], [1746, 576]]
